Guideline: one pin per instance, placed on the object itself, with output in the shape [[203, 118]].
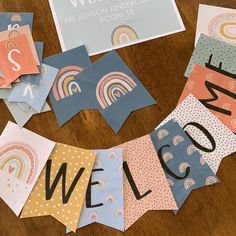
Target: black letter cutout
[[88, 193], [166, 168], [211, 88], [207, 134], [219, 70], [62, 172], [132, 183]]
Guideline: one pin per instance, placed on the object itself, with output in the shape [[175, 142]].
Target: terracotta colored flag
[[145, 184]]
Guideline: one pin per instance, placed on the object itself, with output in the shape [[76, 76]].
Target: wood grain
[[160, 65]]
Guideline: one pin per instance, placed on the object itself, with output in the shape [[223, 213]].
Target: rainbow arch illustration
[[112, 86], [123, 34], [65, 84], [19, 160], [223, 27], [16, 17]]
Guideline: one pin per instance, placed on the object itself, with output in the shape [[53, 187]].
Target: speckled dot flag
[[61, 188]]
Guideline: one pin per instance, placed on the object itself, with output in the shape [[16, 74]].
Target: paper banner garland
[[117, 186], [61, 188], [66, 96], [212, 138], [113, 89], [145, 185], [104, 201], [23, 155], [216, 92], [184, 167]]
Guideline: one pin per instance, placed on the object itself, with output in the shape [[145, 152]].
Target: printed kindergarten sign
[[103, 25]]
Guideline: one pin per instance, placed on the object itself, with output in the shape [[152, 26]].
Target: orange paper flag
[[216, 92], [16, 59], [10, 34]]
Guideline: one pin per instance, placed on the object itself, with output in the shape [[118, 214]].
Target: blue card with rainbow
[[12, 20], [184, 167], [104, 202], [113, 89], [66, 95]]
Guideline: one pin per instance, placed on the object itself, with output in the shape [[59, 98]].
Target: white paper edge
[[197, 34], [58, 28], [63, 47]]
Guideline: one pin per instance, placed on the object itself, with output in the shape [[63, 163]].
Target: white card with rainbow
[[217, 22], [103, 25], [23, 155]]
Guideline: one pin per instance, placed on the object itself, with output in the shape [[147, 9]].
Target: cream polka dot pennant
[[61, 188]]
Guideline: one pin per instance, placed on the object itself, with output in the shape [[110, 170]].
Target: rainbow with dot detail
[[19, 160]]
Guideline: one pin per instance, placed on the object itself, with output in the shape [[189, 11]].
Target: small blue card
[[35, 79], [183, 165], [22, 112], [35, 96], [104, 201], [12, 20], [113, 89], [66, 95]]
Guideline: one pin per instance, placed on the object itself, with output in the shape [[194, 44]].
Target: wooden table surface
[[160, 65]]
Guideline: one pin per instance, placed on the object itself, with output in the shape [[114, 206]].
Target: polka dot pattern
[[222, 52], [196, 86], [191, 110], [148, 174], [68, 213], [177, 145], [218, 27]]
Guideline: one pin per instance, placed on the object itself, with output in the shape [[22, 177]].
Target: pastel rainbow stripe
[[112, 86], [123, 34], [16, 17], [65, 84]]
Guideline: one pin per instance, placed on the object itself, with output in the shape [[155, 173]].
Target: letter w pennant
[[62, 199]]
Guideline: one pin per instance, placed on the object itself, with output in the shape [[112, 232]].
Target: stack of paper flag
[[24, 81]]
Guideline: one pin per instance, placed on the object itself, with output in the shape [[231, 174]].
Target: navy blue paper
[[183, 165], [12, 20], [66, 95], [114, 89]]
